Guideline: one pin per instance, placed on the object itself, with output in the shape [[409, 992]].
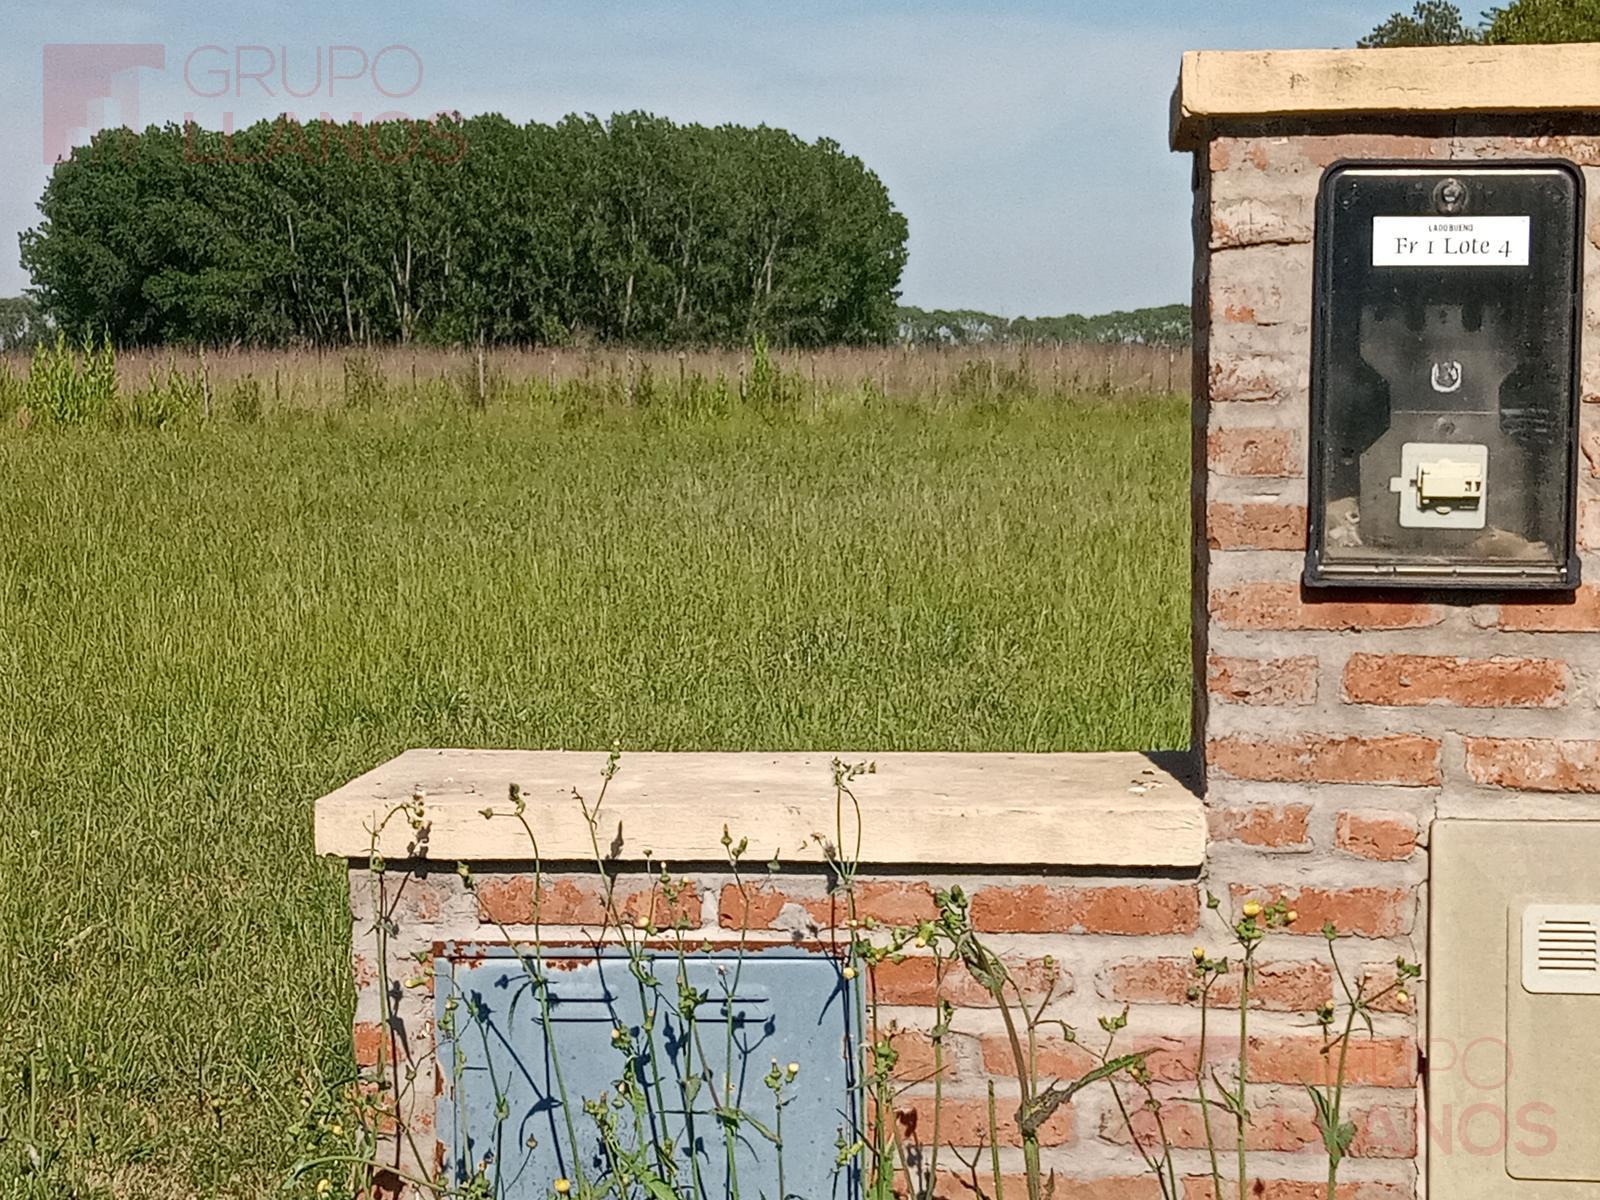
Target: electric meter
[[1444, 384]]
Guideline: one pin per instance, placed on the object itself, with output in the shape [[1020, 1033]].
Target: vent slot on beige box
[[1561, 949]]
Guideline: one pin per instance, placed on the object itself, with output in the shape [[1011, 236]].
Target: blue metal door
[[651, 1066]]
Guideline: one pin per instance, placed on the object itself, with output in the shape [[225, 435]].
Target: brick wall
[[1094, 944], [1337, 726], [1334, 728]]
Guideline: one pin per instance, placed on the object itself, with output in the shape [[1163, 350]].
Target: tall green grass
[[206, 625]]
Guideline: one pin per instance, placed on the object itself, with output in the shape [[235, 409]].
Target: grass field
[[204, 627]]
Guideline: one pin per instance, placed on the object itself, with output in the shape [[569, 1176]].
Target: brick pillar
[[1337, 725]]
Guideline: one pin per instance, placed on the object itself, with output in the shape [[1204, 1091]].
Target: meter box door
[[1513, 1052], [1444, 385], [530, 1039]]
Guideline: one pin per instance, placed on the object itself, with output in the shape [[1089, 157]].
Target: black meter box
[[1444, 383]]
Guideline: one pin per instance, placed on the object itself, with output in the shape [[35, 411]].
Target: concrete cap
[[1116, 809], [1217, 86]]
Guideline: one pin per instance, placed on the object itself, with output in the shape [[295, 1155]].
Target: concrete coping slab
[[1217, 86], [1062, 810]]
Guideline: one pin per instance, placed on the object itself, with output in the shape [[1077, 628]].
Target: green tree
[[1544, 21], [1430, 23], [465, 230], [22, 323], [1437, 23], [1166, 325]]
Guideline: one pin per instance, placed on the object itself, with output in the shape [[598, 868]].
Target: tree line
[[467, 230], [1439, 23], [1165, 325], [22, 324]]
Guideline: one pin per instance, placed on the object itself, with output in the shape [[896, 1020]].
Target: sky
[[1025, 141]]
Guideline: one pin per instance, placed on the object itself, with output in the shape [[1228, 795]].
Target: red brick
[[1284, 606], [1535, 764], [379, 1095], [1259, 220], [1591, 452], [1275, 681], [758, 906], [1382, 1131], [1115, 1187], [1306, 155], [1280, 986], [1274, 826], [1581, 615], [1386, 837], [506, 901], [1576, 148], [1362, 911], [889, 902], [911, 982], [1256, 526], [1383, 979], [1169, 1059], [1055, 1058], [1404, 759], [421, 899], [894, 902], [1270, 1129], [964, 1121], [509, 900], [371, 1043], [1370, 1062], [1249, 377], [1415, 679], [914, 1059], [1259, 453], [953, 1186], [1200, 1188], [1039, 908], [1242, 293]]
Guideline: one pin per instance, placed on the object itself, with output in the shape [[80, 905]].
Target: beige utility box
[[1514, 1037]]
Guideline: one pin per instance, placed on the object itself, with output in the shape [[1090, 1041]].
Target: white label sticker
[[1450, 241]]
